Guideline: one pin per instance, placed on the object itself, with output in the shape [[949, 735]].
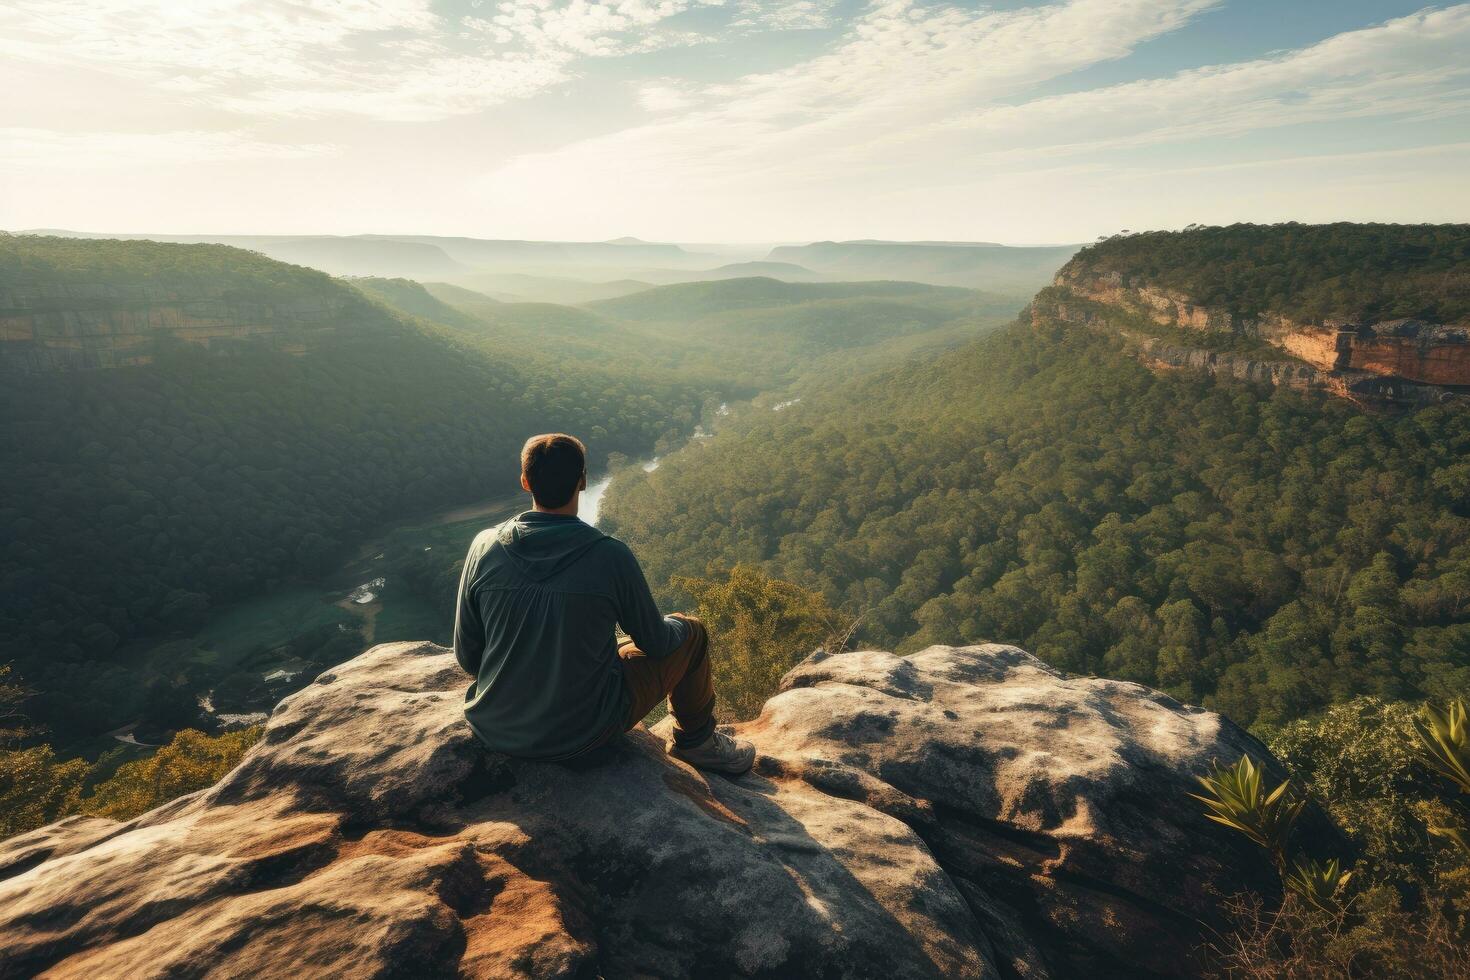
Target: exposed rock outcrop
[[66, 326], [962, 812], [1397, 360]]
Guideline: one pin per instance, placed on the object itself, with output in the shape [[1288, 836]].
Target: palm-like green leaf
[[1236, 797], [1444, 741], [1456, 835], [1317, 882]]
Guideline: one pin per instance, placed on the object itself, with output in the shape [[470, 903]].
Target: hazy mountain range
[[582, 272]]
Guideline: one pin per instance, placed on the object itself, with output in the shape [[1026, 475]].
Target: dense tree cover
[[738, 337], [1262, 551], [13, 722], [140, 499], [1308, 272], [190, 762], [137, 498], [760, 628], [411, 297], [1015, 271], [692, 300], [30, 260], [36, 787]]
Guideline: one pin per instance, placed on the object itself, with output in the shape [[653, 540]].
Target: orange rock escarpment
[[1405, 350]]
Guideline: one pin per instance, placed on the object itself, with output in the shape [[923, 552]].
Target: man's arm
[[469, 631], [656, 635]]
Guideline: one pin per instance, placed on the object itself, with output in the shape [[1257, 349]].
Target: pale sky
[[729, 120]]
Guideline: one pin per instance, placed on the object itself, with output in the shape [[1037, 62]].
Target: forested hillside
[[1265, 552], [739, 337], [140, 501], [1012, 270], [696, 299], [136, 499], [37, 261], [1360, 272], [408, 296]]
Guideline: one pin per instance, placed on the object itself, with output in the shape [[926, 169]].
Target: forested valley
[[1260, 551], [876, 464], [1297, 561], [142, 500]]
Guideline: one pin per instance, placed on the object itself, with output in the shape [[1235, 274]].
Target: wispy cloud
[[921, 114], [395, 60], [940, 95], [23, 148], [1411, 67], [902, 69]]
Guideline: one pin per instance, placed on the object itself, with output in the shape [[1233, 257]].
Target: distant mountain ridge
[[1012, 270], [428, 256], [350, 255], [721, 295], [1016, 271]]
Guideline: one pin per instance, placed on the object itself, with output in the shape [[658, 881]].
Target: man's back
[[538, 601]]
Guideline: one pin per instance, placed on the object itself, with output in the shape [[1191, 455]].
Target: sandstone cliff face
[[1408, 350], [99, 325], [960, 812]]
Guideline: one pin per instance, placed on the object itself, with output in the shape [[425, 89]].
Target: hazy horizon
[[692, 244], [747, 121]]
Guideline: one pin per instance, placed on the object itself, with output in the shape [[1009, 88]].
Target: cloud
[[937, 97], [933, 114], [901, 67], [392, 60], [1409, 67], [24, 148], [663, 95], [797, 15]]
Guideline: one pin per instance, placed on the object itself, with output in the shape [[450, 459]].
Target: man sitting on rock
[[538, 601]]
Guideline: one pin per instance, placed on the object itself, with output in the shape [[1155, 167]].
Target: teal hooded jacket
[[539, 598]]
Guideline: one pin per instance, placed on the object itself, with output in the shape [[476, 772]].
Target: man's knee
[[695, 630], [696, 642]]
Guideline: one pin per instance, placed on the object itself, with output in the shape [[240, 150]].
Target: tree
[[759, 628], [190, 762], [36, 788]]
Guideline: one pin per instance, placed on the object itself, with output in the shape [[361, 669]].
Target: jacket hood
[[544, 544]]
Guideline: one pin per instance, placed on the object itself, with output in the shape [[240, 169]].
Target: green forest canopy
[[139, 499], [740, 336], [1372, 272], [31, 260], [135, 499], [1262, 551]]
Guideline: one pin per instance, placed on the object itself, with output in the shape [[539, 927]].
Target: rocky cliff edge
[[960, 812]]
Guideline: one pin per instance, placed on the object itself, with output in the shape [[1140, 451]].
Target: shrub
[[1376, 766], [192, 761], [36, 789], [759, 628]]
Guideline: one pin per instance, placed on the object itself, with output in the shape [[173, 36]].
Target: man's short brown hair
[[554, 465]]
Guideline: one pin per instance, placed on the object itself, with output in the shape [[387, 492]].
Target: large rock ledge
[[964, 812]]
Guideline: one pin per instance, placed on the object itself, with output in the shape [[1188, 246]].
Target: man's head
[[553, 468]]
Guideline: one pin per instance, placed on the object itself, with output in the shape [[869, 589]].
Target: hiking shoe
[[719, 753]]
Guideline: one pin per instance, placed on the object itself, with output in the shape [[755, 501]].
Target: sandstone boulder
[[961, 812]]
